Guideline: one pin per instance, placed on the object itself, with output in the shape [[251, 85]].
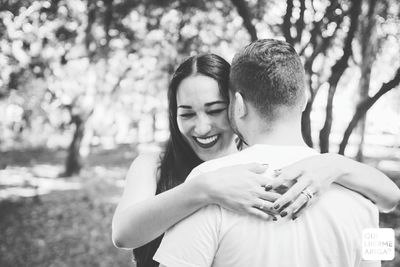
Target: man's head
[[267, 79]]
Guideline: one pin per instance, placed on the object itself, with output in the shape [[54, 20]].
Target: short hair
[[269, 74]]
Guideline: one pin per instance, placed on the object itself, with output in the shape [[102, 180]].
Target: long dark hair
[[178, 158]]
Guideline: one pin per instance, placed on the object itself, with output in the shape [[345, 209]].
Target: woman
[[155, 197]]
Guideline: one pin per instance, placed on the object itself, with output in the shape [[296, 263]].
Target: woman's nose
[[203, 125]]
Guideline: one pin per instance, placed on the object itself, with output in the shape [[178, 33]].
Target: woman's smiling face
[[202, 117]]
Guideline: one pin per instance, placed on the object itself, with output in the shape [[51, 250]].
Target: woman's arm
[[141, 216], [369, 182], [318, 172]]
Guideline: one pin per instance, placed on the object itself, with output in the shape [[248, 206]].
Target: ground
[[51, 221], [68, 221]]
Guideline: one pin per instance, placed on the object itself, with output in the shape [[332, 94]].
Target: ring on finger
[[309, 195]]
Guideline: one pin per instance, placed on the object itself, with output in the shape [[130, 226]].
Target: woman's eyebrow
[[184, 106], [215, 102]]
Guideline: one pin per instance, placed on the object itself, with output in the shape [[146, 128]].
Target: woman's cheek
[[225, 121], [181, 126]]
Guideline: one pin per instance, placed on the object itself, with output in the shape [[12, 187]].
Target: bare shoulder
[[144, 165], [141, 179], [146, 160]]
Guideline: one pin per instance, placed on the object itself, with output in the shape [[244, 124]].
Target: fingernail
[[268, 187], [265, 164], [276, 206], [283, 213]]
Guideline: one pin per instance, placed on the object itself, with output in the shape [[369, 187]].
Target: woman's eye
[[187, 115], [216, 111]]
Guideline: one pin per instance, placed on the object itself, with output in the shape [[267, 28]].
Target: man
[[267, 98]]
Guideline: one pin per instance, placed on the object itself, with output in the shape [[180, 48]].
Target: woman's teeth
[[206, 141]]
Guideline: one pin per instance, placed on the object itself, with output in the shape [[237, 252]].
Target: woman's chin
[[212, 153], [207, 154]]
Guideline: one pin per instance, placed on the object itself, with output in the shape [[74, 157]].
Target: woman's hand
[[242, 189], [304, 180]]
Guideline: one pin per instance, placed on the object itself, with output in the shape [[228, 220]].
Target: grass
[[66, 227]]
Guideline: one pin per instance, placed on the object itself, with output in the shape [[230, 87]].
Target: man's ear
[[240, 105]]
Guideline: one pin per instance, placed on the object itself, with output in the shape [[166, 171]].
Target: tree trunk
[[363, 108], [73, 163], [108, 19], [91, 17], [337, 71], [368, 51], [326, 129], [360, 152], [353, 123]]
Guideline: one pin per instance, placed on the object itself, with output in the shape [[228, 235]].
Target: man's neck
[[283, 134]]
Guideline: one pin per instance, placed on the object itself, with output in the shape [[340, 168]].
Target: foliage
[[325, 33], [94, 72]]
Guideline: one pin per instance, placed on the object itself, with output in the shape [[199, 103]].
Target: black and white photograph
[[227, 133]]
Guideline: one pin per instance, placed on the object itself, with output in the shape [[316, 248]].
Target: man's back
[[327, 234]]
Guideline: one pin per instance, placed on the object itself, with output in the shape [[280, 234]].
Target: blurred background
[[83, 90]]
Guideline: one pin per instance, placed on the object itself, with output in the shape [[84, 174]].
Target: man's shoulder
[[346, 206], [208, 216], [264, 154], [229, 160]]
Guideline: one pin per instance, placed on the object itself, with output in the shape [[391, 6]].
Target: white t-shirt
[[328, 233]]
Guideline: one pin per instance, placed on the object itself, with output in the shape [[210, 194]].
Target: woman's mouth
[[208, 141]]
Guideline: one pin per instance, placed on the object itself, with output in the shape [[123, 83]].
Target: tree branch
[[319, 43], [363, 108], [330, 15], [245, 13], [287, 25], [120, 79], [300, 22]]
